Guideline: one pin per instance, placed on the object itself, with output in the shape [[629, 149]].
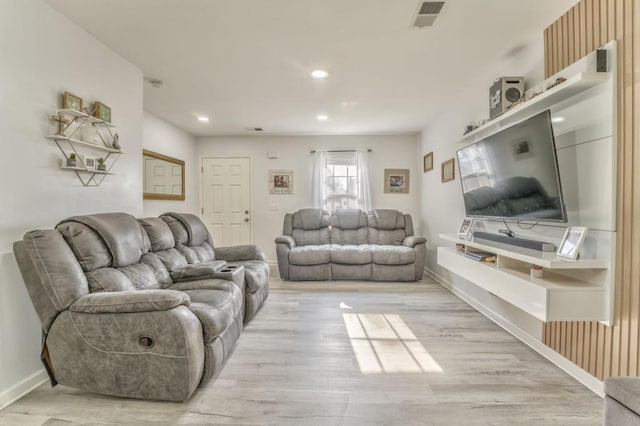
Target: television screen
[[513, 173]]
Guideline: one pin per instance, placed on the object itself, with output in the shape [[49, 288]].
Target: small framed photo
[[102, 112], [448, 170], [396, 181], [88, 161], [572, 242], [427, 162], [465, 227], [280, 181], [71, 101]]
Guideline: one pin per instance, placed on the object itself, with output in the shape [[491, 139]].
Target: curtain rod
[[313, 151]]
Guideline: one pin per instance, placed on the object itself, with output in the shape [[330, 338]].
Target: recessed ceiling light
[[557, 119], [323, 117], [319, 74], [203, 119]]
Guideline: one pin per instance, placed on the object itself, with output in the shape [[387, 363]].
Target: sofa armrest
[[198, 271], [286, 239], [130, 301], [413, 241], [239, 253]]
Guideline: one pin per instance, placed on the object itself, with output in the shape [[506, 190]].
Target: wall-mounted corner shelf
[[70, 122], [572, 86]]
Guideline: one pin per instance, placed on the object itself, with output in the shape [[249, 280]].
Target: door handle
[[246, 219], [246, 212]]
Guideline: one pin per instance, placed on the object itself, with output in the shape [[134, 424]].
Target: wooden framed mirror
[[163, 177]]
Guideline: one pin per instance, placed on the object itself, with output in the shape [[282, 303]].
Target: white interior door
[[226, 200]]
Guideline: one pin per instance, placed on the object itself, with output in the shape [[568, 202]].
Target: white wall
[[165, 138], [392, 152], [42, 55], [442, 206]]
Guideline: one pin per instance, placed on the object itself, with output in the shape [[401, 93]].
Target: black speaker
[[518, 242], [504, 93]]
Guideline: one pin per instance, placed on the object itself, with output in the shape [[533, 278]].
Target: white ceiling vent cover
[[427, 13]]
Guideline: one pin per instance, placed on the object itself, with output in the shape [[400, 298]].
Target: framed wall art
[[102, 112], [280, 181], [71, 101], [396, 181], [572, 242], [448, 170], [427, 162]]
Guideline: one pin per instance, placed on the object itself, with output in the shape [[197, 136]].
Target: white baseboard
[[19, 390], [273, 267], [592, 383]]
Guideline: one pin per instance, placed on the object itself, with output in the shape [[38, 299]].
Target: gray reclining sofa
[[138, 308], [349, 245]]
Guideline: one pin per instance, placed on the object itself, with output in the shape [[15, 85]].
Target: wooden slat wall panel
[[601, 350]]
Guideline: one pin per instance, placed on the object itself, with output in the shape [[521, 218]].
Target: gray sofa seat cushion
[[310, 227], [310, 255], [625, 390], [351, 254], [216, 308], [392, 255]]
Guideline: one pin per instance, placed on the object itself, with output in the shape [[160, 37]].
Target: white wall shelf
[[70, 122], [572, 86], [568, 291], [547, 260]]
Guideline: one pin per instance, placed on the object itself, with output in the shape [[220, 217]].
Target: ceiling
[[246, 63]]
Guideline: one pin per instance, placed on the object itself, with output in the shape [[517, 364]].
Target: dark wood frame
[[154, 196]]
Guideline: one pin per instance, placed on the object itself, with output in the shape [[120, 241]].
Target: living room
[[51, 47]]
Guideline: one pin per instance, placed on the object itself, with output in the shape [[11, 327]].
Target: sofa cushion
[[108, 279], [216, 308], [386, 219], [122, 234], [351, 254], [310, 219], [160, 235], [392, 255], [346, 219], [311, 237], [310, 255], [625, 390]]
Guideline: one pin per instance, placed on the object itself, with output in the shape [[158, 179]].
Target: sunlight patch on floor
[[383, 343]]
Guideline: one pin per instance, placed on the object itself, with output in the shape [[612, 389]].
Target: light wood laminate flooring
[[353, 353]]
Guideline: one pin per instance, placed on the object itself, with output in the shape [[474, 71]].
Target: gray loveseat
[[138, 308], [349, 244]]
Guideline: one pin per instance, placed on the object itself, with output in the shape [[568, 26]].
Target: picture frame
[[90, 162], [572, 242], [427, 162], [396, 181], [281, 182], [465, 227], [448, 170], [71, 101], [102, 112]]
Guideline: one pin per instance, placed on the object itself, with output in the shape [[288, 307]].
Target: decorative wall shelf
[[572, 86], [71, 122], [570, 290]]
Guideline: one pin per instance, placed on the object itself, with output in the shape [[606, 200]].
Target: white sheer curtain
[[364, 186], [319, 180]]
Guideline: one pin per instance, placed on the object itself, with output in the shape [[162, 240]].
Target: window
[[341, 180]]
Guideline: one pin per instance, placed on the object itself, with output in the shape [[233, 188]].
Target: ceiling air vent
[[427, 13]]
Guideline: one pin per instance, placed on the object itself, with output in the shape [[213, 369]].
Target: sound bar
[[519, 242]]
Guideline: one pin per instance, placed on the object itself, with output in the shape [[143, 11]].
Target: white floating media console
[[585, 133], [570, 290]]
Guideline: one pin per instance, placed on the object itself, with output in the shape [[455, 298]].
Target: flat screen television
[[513, 174]]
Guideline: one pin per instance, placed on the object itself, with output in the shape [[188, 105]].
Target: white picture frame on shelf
[[572, 242], [465, 227], [89, 162]]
